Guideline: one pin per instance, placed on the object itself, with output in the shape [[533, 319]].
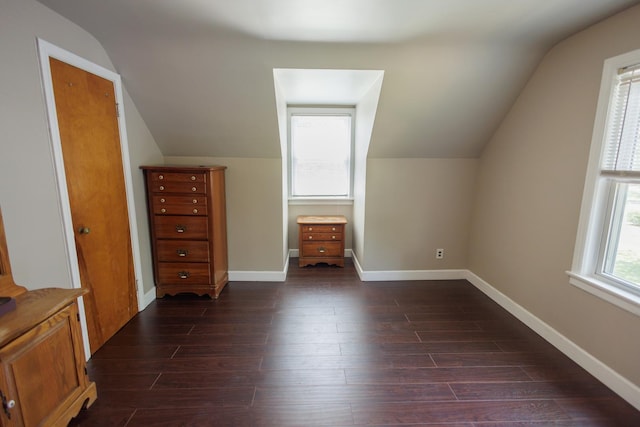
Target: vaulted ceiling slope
[[201, 71]]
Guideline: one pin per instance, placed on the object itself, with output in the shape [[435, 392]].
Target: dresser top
[[183, 168], [322, 219]]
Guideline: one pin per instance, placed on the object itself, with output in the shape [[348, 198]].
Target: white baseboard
[[616, 382], [387, 275], [147, 299], [261, 276]]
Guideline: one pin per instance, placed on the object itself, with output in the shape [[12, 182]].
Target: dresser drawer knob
[[162, 188], [194, 189], [160, 176], [163, 210], [193, 178], [183, 274], [310, 237], [321, 250], [195, 201], [195, 211], [182, 252], [310, 228], [333, 237], [162, 200], [181, 228], [333, 229]]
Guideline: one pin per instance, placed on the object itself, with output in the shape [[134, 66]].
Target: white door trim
[[47, 50]]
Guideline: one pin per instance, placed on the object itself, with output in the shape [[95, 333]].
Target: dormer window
[[321, 142]]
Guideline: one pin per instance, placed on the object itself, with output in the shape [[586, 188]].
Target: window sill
[[606, 291], [321, 201]]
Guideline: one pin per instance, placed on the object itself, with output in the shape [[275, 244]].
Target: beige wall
[[28, 191], [254, 211], [413, 207], [529, 192]]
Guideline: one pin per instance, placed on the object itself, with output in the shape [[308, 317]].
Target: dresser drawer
[[177, 177], [179, 210], [182, 250], [322, 228], [322, 236], [194, 200], [321, 249], [177, 187], [187, 273], [180, 227]]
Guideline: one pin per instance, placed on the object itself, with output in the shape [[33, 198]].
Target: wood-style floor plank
[[325, 349]]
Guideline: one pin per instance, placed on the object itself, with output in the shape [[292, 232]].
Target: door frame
[[47, 50]]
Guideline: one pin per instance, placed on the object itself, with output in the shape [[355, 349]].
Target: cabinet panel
[[43, 372]]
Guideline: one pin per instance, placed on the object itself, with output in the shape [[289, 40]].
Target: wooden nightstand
[[321, 239]]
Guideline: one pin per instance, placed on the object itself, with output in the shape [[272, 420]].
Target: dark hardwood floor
[[324, 348]]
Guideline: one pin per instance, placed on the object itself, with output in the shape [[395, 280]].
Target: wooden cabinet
[[321, 239], [43, 376], [187, 216]]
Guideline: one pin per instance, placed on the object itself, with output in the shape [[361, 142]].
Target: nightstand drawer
[[322, 228], [321, 236], [321, 249]]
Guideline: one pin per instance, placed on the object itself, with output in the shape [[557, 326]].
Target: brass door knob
[[84, 230]]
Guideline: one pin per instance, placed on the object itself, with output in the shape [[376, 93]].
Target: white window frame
[[319, 111], [597, 204]]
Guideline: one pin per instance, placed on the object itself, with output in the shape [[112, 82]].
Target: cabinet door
[[41, 372]]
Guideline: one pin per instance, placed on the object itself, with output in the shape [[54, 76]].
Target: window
[[320, 153], [607, 260]]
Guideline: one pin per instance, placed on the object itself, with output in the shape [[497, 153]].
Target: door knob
[[84, 230]]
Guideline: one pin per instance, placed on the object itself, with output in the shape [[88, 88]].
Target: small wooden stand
[[321, 239]]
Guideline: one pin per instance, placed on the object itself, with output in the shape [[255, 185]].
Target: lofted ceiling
[[201, 71]]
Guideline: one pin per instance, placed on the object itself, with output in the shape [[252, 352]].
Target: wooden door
[[87, 118]]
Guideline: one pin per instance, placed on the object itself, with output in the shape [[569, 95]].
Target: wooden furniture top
[[178, 168], [322, 219], [32, 307]]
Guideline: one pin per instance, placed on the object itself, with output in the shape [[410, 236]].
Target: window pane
[[321, 155], [622, 259]]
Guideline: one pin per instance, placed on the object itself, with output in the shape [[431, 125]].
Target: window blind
[[622, 147]]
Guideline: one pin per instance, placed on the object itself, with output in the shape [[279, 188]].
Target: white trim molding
[[616, 382], [261, 276], [389, 275]]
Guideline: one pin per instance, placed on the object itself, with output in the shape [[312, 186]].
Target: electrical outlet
[[439, 253]]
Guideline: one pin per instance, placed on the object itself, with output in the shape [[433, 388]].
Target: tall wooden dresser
[[187, 217]]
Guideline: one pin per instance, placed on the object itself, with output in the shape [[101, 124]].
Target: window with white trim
[[607, 260], [320, 153]]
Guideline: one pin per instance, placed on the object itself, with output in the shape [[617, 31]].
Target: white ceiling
[[201, 71]]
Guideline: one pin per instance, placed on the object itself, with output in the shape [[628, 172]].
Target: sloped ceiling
[[201, 71]]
